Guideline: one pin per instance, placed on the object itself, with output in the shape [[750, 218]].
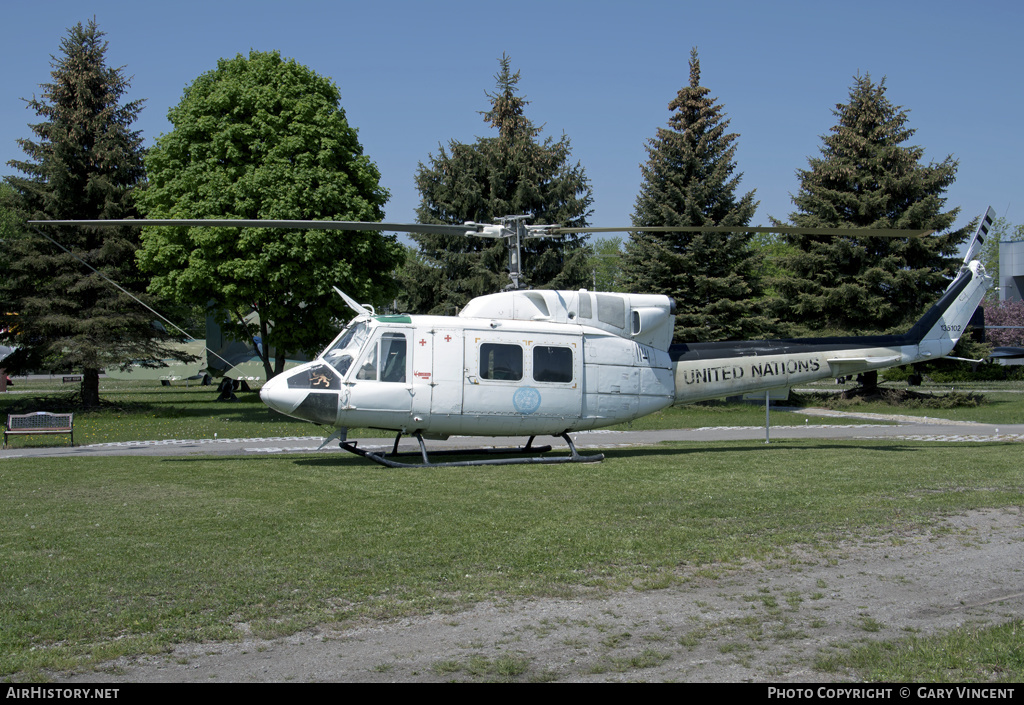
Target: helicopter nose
[[293, 394], [275, 394]]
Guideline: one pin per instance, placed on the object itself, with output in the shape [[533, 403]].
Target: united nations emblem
[[526, 400]]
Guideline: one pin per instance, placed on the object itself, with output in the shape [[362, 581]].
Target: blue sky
[[413, 76]]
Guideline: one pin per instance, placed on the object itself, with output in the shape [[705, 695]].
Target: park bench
[[41, 422]]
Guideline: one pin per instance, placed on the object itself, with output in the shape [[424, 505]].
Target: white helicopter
[[538, 363]]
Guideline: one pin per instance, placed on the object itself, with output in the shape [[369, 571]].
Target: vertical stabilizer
[[979, 236], [949, 318]]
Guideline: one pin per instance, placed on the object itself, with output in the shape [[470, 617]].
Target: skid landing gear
[[508, 454]]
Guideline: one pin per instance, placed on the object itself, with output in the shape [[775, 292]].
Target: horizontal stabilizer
[[1007, 353]]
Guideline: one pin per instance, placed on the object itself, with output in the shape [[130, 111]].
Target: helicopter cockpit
[[343, 350], [383, 360], [365, 368]]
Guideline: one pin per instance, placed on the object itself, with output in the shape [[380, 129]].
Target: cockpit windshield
[[345, 347]]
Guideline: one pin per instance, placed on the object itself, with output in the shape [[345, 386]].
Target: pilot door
[[437, 380], [379, 385]]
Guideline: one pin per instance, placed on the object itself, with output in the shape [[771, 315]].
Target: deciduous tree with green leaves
[[869, 177], [511, 174], [265, 137], [85, 162], [690, 179], [606, 264]]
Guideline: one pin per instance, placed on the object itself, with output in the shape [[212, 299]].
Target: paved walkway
[[884, 427]]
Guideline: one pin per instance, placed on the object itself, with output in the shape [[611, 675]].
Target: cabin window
[[552, 364], [498, 361], [385, 360]]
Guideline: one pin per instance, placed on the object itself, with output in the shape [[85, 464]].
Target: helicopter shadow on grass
[[745, 447], [748, 446]]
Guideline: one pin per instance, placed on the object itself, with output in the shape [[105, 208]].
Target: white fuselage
[[547, 362], [479, 377]]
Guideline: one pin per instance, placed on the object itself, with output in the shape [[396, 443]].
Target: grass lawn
[[104, 557], [134, 411], [1002, 402]]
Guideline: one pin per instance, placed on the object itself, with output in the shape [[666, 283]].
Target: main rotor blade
[[290, 224], [849, 232], [477, 228]]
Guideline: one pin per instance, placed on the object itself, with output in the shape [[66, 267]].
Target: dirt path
[[754, 623]]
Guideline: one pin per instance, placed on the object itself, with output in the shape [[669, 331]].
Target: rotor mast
[[513, 230]]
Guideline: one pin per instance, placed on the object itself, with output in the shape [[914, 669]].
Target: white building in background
[[1011, 271], [1011, 278]]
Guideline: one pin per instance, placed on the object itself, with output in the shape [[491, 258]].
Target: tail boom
[[714, 370]]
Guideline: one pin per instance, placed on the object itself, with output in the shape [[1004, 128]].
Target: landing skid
[[386, 459]]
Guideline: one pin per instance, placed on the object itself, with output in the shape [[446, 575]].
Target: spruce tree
[[868, 177], [84, 163], [514, 173], [690, 179]]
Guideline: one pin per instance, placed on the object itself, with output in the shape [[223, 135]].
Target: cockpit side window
[[368, 367], [385, 359], [392, 357]]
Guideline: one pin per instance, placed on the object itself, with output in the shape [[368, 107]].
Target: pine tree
[[690, 179], [512, 174], [85, 163], [867, 177]]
